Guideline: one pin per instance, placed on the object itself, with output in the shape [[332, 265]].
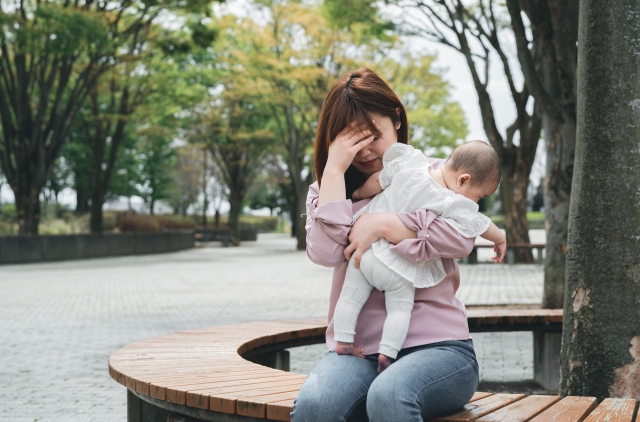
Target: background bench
[[206, 375], [511, 247]]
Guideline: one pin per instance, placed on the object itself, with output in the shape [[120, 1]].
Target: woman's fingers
[[349, 250], [357, 147], [356, 257]]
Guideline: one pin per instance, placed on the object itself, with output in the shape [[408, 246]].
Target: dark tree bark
[[111, 106], [479, 25], [43, 86], [550, 76], [601, 327]]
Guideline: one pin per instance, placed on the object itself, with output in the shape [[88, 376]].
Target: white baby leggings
[[398, 298]]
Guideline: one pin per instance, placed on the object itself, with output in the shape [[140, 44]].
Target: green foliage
[[535, 219], [152, 223], [358, 16], [156, 159], [436, 121]]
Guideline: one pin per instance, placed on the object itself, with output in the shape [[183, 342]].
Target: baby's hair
[[478, 159]]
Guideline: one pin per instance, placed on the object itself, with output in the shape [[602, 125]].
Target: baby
[[407, 183]]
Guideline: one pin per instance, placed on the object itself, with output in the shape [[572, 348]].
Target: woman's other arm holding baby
[[370, 188], [495, 235]]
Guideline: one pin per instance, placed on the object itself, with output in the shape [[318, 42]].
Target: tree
[[286, 58], [186, 178], [293, 59], [474, 31], [156, 158], [601, 343], [435, 121], [550, 75], [51, 55], [234, 131]]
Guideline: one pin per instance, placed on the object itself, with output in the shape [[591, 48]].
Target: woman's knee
[[335, 390], [389, 399]]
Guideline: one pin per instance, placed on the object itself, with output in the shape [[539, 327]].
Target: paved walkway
[[59, 322]]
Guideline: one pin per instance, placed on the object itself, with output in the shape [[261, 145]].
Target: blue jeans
[[424, 382]]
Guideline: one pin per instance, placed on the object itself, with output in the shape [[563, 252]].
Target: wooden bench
[[206, 375], [511, 259]]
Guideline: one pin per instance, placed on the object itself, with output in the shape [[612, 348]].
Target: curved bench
[[204, 375]]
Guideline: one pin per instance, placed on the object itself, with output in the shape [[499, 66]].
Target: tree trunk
[[601, 335], [28, 209], [560, 142], [97, 201], [152, 205], [82, 202], [513, 192], [216, 219], [235, 203]]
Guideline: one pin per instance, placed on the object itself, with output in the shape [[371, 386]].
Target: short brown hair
[[350, 100], [478, 159]]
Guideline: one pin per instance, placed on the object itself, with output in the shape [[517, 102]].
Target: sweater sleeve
[[435, 238], [327, 228]]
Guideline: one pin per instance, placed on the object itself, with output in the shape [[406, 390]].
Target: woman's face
[[369, 159]]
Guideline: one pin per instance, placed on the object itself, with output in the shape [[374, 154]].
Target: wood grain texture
[[522, 410], [479, 408], [569, 409], [204, 369], [613, 410], [280, 411]]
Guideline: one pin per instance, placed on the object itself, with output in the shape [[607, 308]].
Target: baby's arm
[[495, 235], [370, 188]]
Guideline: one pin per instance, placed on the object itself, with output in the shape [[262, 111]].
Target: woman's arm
[[418, 236], [327, 228]]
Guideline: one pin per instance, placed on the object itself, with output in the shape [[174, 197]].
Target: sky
[[456, 72]]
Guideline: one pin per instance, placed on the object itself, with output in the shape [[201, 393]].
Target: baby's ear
[[464, 179]]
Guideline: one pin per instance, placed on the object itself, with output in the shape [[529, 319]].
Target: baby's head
[[472, 170]]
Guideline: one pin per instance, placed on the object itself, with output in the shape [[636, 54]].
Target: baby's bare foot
[[349, 349], [383, 362]]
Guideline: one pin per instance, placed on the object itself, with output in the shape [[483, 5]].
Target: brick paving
[[59, 322]]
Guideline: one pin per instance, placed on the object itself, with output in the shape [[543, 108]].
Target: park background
[[155, 116]]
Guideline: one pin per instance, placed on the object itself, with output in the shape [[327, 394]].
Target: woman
[[436, 371]]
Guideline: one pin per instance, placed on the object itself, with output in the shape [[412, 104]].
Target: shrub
[[175, 223], [138, 223]]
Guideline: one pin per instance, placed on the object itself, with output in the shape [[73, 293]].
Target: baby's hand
[[356, 194], [501, 250]]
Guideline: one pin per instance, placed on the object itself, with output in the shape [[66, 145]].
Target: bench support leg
[[276, 360], [511, 257], [546, 359], [139, 410]]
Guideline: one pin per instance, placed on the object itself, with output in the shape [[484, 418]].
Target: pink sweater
[[437, 314]]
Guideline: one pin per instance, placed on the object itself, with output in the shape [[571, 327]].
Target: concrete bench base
[[141, 408]]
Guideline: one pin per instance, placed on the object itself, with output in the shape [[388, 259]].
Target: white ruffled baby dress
[[407, 187]]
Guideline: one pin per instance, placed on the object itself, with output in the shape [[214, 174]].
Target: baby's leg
[[354, 294], [399, 295]]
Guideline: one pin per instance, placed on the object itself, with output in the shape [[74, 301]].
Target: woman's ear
[[398, 124], [463, 179]]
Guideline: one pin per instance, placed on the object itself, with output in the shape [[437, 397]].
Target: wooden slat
[[257, 406], [479, 408], [226, 403], [522, 410], [569, 409], [479, 395], [280, 411], [613, 410], [178, 394]]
